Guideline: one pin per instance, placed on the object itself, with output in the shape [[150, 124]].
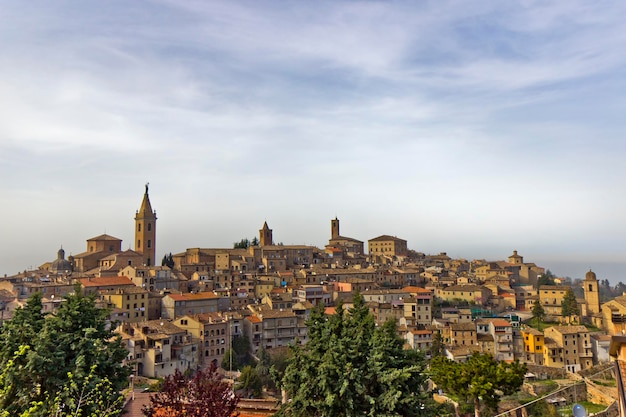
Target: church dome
[[590, 275], [60, 265]]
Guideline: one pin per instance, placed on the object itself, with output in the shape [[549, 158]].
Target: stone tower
[[265, 236], [592, 294], [334, 228], [145, 231]]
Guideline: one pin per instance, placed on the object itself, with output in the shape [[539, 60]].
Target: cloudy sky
[[473, 127]]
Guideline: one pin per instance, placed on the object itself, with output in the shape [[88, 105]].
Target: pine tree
[[538, 313], [350, 368], [569, 305]]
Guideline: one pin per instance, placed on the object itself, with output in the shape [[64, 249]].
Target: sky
[[469, 127]]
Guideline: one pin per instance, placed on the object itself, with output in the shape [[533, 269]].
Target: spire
[[146, 207]]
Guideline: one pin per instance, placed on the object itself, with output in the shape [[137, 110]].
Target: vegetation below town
[[67, 363]]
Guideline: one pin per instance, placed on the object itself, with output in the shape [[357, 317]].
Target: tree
[[250, 381], [255, 241], [263, 367], [203, 395], [437, 347], [242, 244], [168, 260], [538, 313], [72, 346], [349, 367], [480, 380], [546, 279], [569, 305], [229, 361]]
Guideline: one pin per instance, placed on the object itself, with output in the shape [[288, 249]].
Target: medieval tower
[[592, 294], [145, 231], [265, 235], [334, 228]]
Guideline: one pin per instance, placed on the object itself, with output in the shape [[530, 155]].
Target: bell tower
[[145, 231], [592, 294], [334, 228], [265, 235]]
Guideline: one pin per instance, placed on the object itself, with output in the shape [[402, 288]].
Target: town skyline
[[474, 129], [574, 269]]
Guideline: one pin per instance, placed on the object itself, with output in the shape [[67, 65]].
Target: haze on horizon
[[472, 128]]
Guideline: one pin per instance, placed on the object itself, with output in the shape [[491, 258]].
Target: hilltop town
[[184, 310]]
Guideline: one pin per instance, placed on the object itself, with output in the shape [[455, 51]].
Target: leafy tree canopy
[[41, 357], [203, 395], [351, 368], [481, 380], [250, 381]]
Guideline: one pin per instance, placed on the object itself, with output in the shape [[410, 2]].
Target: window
[[149, 243], [139, 227], [138, 244], [149, 227]]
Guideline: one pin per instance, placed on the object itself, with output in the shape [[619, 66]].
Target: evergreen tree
[[546, 279], [263, 367], [168, 260], [480, 380], [538, 313], [351, 368], [569, 305], [437, 347], [242, 244]]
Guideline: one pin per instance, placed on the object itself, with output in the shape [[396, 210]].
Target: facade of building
[[177, 305], [158, 348], [386, 245], [568, 347]]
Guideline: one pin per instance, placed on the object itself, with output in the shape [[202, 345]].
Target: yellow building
[[551, 298], [614, 315], [133, 300], [469, 293], [533, 346], [386, 245]]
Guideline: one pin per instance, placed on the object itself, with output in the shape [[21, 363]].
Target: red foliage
[[203, 395]]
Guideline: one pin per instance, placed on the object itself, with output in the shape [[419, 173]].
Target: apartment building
[[501, 333], [177, 305], [568, 347], [386, 245], [157, 348], [468, 293], [133, 300], [273, 328], [212, 332], [419, 339]]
